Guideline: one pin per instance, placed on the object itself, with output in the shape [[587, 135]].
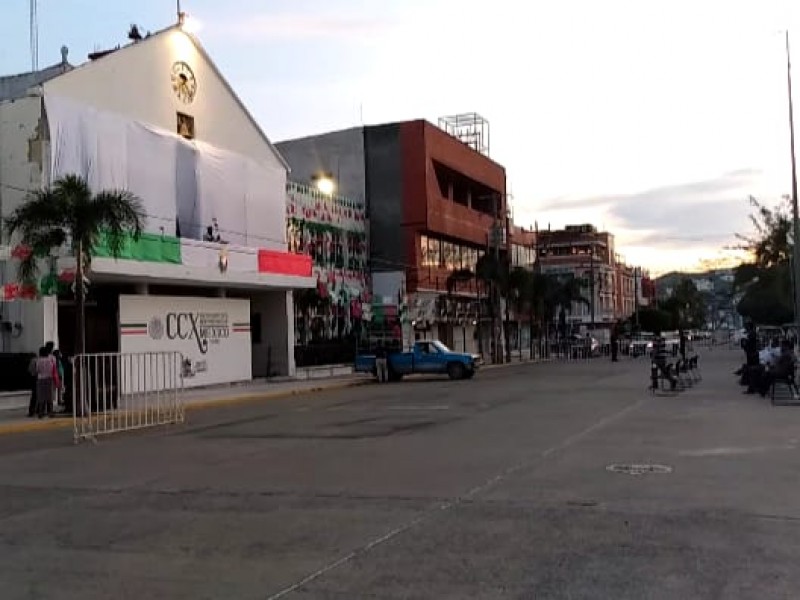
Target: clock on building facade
[[184, 83]]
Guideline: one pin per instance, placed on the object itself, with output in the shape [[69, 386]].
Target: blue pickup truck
[[425, 357]]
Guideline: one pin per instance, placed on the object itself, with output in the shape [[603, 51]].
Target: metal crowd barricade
[[115, 392]]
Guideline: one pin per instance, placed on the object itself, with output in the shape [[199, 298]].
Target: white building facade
[[211, 277]]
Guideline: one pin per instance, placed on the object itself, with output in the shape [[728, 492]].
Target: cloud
[[684, 193], [299, 26], [669, 226]]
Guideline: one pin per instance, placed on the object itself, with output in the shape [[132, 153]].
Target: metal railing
[[115, 392]]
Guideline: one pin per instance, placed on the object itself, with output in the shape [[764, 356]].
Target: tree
[[68, 212], [772, 243], [522, 293], [494, 270], [764, 285], [654, 319], [566, 293], [686, 306]]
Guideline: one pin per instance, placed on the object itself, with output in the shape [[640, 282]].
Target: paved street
[[492, 488]]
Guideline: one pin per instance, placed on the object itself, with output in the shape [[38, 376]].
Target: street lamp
[[325, 183]]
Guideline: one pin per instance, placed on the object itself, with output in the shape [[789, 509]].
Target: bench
[[684, 372], [658, 382], [790, 385]]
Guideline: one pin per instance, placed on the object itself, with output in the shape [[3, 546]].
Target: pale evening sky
[[652, 119]]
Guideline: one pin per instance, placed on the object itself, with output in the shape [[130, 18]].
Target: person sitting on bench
[[782, 369]]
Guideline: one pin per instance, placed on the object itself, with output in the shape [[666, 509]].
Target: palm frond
[[41, 243], [28, 269], [73, 188], [119, 214], [41, 209]]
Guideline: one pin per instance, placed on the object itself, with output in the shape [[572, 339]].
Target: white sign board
[[212, 334]]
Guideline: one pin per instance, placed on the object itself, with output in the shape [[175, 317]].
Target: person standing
[[660, 359], [34, 385], [60, 369], [381, 363], [46, 382], [614, 343], [682, 344]]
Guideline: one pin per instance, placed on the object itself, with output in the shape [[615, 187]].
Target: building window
[[186, 126]]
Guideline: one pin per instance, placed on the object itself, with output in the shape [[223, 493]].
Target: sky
[[655, 120]]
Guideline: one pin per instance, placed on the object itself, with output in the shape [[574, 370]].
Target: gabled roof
[[13, 87], [214, 68]]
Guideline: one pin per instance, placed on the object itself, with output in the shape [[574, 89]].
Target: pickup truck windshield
[[441, 347]]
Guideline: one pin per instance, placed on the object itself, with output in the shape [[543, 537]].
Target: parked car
[[578, 346], [641, 345], [426, 356]]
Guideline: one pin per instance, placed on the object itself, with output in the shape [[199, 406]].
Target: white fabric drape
[[185, 183], [266, 189], [221, 185], [151, 167]]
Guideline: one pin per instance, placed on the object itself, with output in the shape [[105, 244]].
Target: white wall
[[135, 84], [221, 354], [22, 151], [22, 134], [136, 81], [276, 310]]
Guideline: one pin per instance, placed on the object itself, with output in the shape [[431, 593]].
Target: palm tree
[[68, 212], [495, 271], [568, 292], [521, 291]]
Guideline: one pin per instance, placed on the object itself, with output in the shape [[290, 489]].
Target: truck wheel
[[469, 374], [455, 371], [395, 376]]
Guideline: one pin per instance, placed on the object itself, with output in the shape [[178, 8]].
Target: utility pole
[[495, 299], [591, 283], [795, 216], [636, 296]]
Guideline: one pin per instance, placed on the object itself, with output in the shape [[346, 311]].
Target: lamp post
[[795, 216], [636, 296], [591, 285]]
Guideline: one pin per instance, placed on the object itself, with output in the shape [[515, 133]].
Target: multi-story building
[[609, 286], [435, 204], [211, 276]]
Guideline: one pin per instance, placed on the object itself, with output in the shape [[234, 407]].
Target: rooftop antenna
[[34, 35], [181, 14]]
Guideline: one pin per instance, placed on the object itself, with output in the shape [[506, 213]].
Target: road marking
[[733, 451], [431, 513], [421, 407]]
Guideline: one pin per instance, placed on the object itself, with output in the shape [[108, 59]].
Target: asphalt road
[[492, 488]]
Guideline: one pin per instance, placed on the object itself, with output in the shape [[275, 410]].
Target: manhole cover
[[639, 469]]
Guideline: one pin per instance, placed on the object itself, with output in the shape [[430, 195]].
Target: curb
[[36, 425], [219, 402], [253, 396]]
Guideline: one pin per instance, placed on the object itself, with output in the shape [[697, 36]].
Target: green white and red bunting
[[241, 328]]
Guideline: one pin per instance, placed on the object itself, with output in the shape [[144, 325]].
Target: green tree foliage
[[686, 306], [764, 284], [68, 211], [654, 319]]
